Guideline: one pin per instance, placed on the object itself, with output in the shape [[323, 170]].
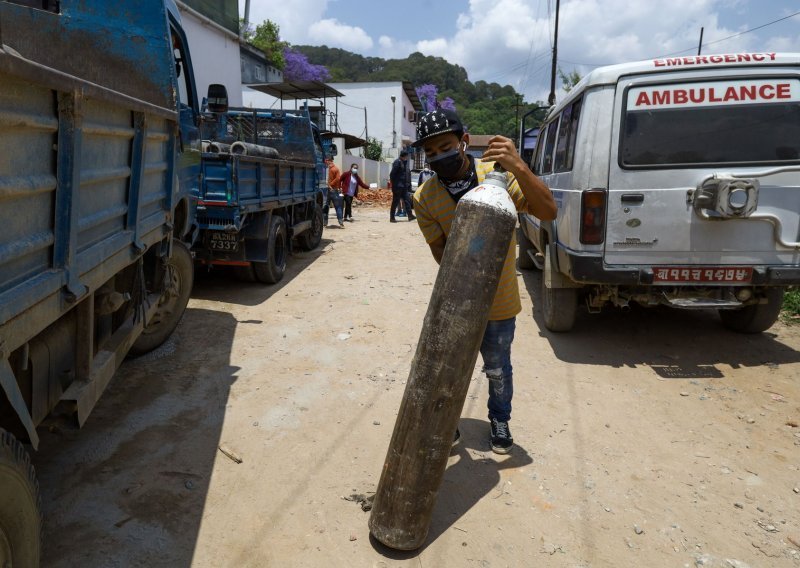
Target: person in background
[[442, 137], [424, 175], [348, 187], [332, 193], [400, 177]]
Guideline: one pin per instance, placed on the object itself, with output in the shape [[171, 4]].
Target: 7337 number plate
[[228, 242]]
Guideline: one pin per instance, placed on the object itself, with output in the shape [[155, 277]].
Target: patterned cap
[[437, 122]]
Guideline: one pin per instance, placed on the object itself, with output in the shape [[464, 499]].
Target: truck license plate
[[703, 274], [224, 241]]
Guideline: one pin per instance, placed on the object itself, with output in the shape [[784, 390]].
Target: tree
[[569, 80], [298, 68], [374, 149], [267, 37], [429, 97]]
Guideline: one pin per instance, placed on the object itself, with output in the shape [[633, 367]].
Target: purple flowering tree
[[298, 68], [448, 104], [429, 97]]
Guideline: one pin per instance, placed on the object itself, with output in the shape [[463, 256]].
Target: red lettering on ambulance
[[661, 98], [712, 96], [680, 97], [784, 91], [766, 92], [715, 59], [731, 94], [747, 92], [643, 99], [697, 95]]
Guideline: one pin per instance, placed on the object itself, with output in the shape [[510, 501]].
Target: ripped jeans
[[496, 353]]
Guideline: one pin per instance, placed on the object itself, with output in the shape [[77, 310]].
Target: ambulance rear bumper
[[590, 269]]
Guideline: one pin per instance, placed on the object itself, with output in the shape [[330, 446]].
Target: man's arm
[[437, 248], [537, 194]]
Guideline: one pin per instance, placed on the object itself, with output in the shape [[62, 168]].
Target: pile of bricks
[[379, 197]]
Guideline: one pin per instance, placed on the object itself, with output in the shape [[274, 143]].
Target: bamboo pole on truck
[[440, 373]]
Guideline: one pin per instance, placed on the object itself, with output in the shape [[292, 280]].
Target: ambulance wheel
[[559, 305], [526, 248], [757, 317], [20, 506], [272, 270], [171, 304], [310, 239]]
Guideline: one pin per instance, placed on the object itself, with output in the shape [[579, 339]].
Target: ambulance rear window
[[732, 122]]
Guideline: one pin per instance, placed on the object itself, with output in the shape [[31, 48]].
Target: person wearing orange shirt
[[332, 193]]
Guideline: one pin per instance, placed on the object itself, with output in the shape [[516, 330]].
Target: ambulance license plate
[[703, 274]]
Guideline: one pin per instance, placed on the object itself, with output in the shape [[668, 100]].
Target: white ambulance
[[677, 182]]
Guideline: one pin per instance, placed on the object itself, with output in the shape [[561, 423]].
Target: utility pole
[[394, 129], [552, 98], [246, 18], [700, 45], [517, 105]]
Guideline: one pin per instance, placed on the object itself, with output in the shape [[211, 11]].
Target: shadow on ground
[[220, 283], [676, 344], [130, 488]]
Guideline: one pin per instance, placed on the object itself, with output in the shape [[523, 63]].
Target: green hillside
[[486, 108]]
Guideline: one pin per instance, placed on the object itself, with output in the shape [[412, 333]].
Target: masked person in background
[[441, 135], [348, 186], [400, 177]]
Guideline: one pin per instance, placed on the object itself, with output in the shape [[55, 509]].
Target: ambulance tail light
[[593, 216]]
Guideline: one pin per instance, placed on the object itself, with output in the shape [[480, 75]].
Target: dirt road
[[646, 438]]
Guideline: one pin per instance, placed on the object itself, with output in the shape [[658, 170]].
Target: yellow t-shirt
[[435, 210]]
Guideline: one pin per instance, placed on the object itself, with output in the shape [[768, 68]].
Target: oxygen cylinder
[[440, 373]]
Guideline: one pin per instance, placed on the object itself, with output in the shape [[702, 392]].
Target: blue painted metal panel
[[124, 46]]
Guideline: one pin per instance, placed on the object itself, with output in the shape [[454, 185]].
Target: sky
[[510, 41]]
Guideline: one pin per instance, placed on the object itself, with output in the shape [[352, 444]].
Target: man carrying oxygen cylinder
[[442, 137]]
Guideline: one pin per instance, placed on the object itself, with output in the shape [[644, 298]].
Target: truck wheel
[[272, 271], [755, 318], [172, 304], [525, 262], [312, 237], [559, 305], [20, 506]]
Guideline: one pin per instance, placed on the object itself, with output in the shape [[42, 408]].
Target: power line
[[732, 36]]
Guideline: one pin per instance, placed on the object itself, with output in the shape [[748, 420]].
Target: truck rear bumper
[[590, 269]]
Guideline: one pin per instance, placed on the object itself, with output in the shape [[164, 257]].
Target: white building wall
[[215, 57], [375, 97]]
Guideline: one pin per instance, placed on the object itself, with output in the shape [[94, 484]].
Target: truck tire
[[272, 271], [20, 506], [525, 262], [755, 318], [172, 303], [312, 237], [559, 305]]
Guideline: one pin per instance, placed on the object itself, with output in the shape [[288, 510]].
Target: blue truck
[[99, 169], [262, 187]]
